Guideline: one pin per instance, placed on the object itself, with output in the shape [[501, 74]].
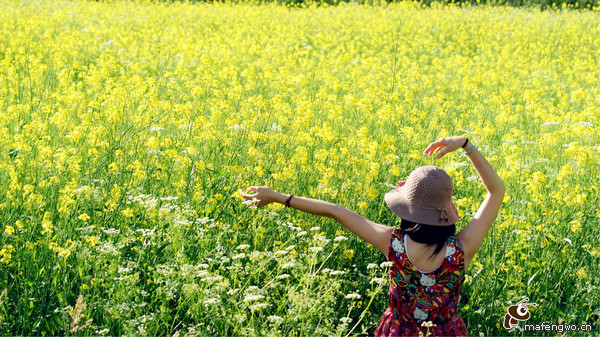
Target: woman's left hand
[[262, 196], [446, 145]]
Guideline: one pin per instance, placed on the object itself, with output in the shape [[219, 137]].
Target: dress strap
[[455, 253]]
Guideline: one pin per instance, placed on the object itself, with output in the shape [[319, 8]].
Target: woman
[[425, 278]]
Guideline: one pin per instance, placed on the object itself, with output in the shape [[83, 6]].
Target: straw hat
[[425, 198]]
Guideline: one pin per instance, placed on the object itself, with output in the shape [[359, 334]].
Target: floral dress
[[417, 297]]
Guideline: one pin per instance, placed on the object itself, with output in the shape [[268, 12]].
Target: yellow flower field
[[126, 129]]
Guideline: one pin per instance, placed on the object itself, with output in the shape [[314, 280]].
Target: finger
[[433, 148], [442, 153], [247, 195], [437, 144], [429, 148]]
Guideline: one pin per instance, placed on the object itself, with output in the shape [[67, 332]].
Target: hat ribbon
[[443, 213]]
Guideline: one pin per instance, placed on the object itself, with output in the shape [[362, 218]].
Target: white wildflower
[[340, 238], [353, 296], [346, 320], [275, 127], [238, 256], [107, 248], [154, 151], [111, 231], [321, 238], [145, 232], [211, 301], [258, 306], [372, 266], [233, 291], [316, 249], [212, 279], [379, 280], [87, 230], [386, 264], [182, 222], [251, 298], [203, 221]]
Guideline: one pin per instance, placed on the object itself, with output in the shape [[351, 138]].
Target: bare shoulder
[[381, 236], [385, 237]]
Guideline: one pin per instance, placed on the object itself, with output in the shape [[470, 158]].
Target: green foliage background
[[126, 129]]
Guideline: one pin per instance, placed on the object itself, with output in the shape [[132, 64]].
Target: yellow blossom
[[10, 230], [47, 226], [6, 253], [581, 273], [128, 213], [575, 226]]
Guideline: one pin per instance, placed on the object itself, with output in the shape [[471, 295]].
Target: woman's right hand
[[446, 145], [262, 196], [473, 234]]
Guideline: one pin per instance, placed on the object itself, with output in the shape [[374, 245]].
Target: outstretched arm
[[374, 233], [473, 234]]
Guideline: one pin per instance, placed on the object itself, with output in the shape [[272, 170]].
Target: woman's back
[[424, 199], [420, 296]]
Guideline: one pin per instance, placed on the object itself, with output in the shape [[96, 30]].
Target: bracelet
[[287, 201], [470, 150], [465, 144]]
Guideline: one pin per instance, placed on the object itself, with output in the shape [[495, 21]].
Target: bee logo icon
[[516, 313]]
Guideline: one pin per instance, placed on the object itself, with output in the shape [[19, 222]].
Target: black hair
[[430, 235]]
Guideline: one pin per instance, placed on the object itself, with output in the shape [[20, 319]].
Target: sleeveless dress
[[417, 297]]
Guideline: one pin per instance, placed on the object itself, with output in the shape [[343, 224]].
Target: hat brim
[[407, 210]]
